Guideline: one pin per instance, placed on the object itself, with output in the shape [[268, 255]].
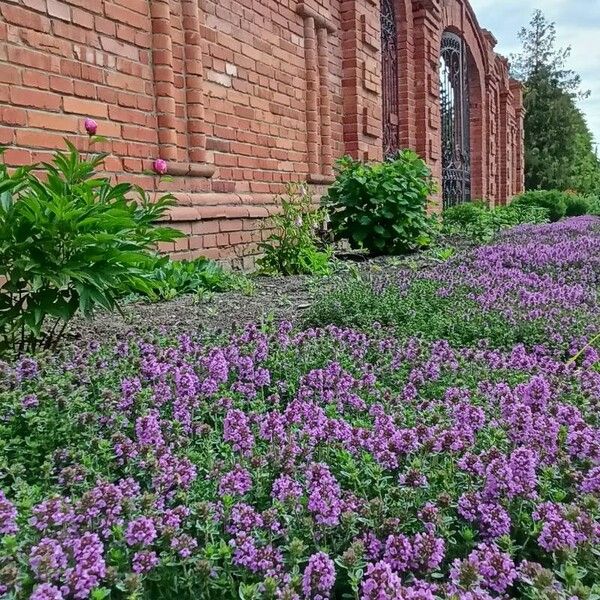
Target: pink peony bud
[[159, 166], [90, 126]]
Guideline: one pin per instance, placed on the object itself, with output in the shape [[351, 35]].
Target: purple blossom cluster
[[321, 463]]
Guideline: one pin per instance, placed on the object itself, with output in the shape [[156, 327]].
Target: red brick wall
[[242, 96]]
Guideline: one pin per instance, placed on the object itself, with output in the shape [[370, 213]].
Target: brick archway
[[495, 100], [455, 117], [390, 75]]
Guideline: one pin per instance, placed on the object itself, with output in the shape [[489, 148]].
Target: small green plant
[[382, 206], [293, 248], [552, 200], [443, 254], [70, 241], [175, 278]]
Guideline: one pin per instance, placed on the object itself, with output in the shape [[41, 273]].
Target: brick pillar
[[361, 50], [194, 74], [478, 135], [164, 79], [504, 190], [519, 157], [318, 103], [492, 142], [325, 103], [427, 42], [406, 74]]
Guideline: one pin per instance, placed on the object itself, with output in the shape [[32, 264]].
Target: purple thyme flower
[[184, 545], [8, 516], [398, 552], [428, 551], [319, 577], [380, 582], [90, 568], [27, 368], [236, 430], [29, 401], [496, 567], [235, 483], [144, 561], [48, 559], [285, 488], [140, 531], [46, 591], [324, 495]]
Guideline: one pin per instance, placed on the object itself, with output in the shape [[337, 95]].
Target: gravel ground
[[272, 299]]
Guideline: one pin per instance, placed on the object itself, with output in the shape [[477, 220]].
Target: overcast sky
[[577, 25]]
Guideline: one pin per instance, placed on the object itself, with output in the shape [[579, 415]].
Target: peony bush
[[316, 464]]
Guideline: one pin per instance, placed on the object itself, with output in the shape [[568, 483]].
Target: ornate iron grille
[[389, 60], [454, 98]]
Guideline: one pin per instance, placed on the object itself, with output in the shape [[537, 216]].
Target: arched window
[[455, 116], [389, 61]]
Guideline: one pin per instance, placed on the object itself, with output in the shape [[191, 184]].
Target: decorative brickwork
[[241, 97]]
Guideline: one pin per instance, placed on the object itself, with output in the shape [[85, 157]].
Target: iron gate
[[455, 114], [389, 60]]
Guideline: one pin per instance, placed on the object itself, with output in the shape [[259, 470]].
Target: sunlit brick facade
[[242, 96]]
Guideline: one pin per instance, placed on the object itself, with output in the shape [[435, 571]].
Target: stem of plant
[[588, 345]]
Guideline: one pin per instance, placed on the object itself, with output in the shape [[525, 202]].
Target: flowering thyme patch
[[311, 464]]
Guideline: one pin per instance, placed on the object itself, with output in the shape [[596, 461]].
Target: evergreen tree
[[559, 150]]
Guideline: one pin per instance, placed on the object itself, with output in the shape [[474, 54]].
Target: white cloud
[[577, 25]]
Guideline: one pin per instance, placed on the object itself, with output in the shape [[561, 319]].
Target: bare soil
[[272, 299]]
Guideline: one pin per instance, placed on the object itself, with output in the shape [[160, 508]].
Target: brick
[[36, 79], [59, 9], [10, 74], [82, 107], [34, 98], [30, 138], [9, 115], [20, 16], [56, 122]]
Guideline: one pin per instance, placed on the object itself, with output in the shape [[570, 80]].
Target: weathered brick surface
[[243, 96]]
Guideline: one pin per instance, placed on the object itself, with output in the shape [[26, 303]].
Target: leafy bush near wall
[[479, 222], [577, 205], [70, 241], [382, 206], [594, 206], [293, 249], [552, 200]]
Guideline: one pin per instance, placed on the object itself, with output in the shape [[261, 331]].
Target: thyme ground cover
[[534, 284], [324, 463]]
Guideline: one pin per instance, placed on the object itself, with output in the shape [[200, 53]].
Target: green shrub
[[293, 248], [465, 213], [577, 205], [554, 201], [382, 206], [70, 241], [594, 206], [480, 223]]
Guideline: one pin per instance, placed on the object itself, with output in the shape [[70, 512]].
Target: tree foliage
[[559, 149]]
